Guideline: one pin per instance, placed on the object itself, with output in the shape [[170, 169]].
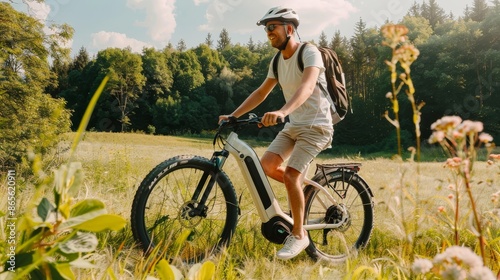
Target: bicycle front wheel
[[184, 209], [353, 215]]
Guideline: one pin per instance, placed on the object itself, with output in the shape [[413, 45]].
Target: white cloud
[[40, 11], [102, 40], [198, 2], [315, 15], [160, 18]]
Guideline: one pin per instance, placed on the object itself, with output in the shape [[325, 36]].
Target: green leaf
[[74, 221], [59, 271], [164, 271], [207, 271], [67, 180], [57, 196], [111, 273], [59, 182], [82, 242], [103, 222], [86, 206], [23, 259], [44, 209], [75, 177], [64, 270], [65, 208]]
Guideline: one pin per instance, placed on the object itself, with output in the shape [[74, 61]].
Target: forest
[[181, 91]]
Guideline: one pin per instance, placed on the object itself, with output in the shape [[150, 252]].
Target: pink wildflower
[[453, 162], [495, 156], [468, 126], [437, 136], [454, 254], [485, 138], [458, 134], [446, 122], [421, 266]]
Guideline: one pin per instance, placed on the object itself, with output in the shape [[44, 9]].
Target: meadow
[[413, 210]]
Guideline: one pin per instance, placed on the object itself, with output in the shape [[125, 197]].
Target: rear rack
[[328, 167], [348, 171]]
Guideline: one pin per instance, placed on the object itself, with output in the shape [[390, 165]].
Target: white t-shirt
[[316, 109]]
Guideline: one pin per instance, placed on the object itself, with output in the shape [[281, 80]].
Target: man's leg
[[271, 163], [298, 240], [293, 180]]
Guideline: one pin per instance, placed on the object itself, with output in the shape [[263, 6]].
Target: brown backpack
[[335, 92]]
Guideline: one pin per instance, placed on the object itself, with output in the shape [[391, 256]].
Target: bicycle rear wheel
[[169, 217], [354, 214]]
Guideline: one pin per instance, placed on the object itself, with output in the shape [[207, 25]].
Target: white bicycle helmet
[[281, 14]]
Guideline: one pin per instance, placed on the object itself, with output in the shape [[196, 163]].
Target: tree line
[[176, 90]]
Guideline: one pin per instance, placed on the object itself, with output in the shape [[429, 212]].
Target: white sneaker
[[293, 246]]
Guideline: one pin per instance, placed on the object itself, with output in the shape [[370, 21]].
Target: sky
[[100, 24]]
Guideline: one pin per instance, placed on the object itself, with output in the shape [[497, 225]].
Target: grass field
[[407, 197]]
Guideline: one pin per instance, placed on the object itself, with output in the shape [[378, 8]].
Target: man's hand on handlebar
[[272, 118], [223, 118]]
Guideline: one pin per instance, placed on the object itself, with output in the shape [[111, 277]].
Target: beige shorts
[[301, 144]]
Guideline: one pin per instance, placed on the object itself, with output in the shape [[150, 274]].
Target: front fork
[[199, 209]]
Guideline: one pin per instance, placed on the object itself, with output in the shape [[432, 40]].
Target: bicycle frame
[[260, 190]]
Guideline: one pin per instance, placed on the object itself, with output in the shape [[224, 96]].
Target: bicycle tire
[[160, 218], [335, 245]]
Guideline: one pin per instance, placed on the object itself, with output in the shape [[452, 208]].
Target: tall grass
[[114, 165]]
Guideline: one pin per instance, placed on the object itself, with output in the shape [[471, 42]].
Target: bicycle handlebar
[[235, 123]]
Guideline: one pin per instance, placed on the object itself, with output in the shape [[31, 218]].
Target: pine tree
[[323, 42], [224, 40], [415, 10], [81, 60], [251, 44], [181, 46], [208, 41], [433, 12], [479, 10]]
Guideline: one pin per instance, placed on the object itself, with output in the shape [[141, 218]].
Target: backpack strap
[[275, 65], [301, 59]]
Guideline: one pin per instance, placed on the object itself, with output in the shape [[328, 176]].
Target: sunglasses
[[271, 27]]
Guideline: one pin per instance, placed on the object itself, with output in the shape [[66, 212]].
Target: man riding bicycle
[[310, 128]]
